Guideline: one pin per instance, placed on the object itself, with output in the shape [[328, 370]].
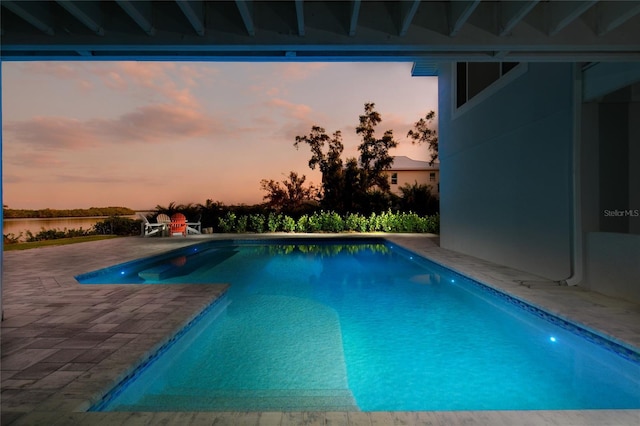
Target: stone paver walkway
[[63, 345]]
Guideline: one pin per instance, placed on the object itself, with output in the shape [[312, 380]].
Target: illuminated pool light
[[453, 281], [121, 272], [553, 339]]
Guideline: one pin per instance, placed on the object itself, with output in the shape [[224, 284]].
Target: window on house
[[432, 177], [394, 178], [473, 77]]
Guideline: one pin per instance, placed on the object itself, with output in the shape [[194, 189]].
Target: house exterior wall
[[412, 176], [505, 169], [612, 264], [610, 136], [634, 165]]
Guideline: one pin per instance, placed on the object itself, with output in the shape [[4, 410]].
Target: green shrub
[[256, 223], [11, 238], [373, 223], [116, 225], [331, 222], [274, 222], [227, 223], [288, 224], [411, 222], [303, 224], [315, 223], [388, 221], [56, 234], [241, 224], [433, 223], [356, 222]]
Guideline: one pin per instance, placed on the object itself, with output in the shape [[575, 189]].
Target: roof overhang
[[423, 32]]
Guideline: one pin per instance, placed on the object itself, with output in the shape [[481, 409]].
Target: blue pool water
[[365, 326]]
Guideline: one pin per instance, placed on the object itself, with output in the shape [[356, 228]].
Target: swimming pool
[[365, 325]]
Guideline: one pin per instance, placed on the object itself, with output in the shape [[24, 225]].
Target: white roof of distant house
[[402, 162]]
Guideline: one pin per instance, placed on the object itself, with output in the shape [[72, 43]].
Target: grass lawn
[[58, 242]]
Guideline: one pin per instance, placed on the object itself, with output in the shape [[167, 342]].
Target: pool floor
[[369, 326]]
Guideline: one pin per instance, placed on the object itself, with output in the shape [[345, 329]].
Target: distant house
[[405, 170]]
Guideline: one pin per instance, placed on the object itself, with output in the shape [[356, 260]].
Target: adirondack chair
[[178, 225], [150, 228], [194, 227]]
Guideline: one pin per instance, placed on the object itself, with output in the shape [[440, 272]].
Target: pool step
[[157, 273], [248, 400], [184, 265]]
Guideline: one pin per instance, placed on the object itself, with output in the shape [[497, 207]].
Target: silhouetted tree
[[345, 186], [329, 162], [209, 212], [418, 199], [352, 196], [291, 196], [374, 152], [423, 134]]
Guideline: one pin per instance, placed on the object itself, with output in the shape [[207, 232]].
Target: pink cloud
[[297, 111], [159, 123], [51, 133], [149, 124], [11, 178], [169, 80], [158, 78], [295, 128], [32, 159]]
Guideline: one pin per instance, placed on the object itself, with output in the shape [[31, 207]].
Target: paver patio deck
[[65, 344]]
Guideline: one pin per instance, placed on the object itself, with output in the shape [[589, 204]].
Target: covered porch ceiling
[[422, 31]]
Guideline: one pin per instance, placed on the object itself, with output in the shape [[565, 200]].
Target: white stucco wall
[[505, 168], [411, 177]]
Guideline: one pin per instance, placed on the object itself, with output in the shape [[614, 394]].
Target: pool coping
[[602, 339], [65, 398]]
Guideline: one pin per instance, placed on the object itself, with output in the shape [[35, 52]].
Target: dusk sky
[[139, 134]]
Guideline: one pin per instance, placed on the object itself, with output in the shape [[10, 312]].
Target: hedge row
[[272, 222], [329, 222]]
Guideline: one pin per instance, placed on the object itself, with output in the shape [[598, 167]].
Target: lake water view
[[35, 225]]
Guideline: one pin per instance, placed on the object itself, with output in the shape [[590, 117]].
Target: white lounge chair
[[163, 218], [194, 227], [149, 228]]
